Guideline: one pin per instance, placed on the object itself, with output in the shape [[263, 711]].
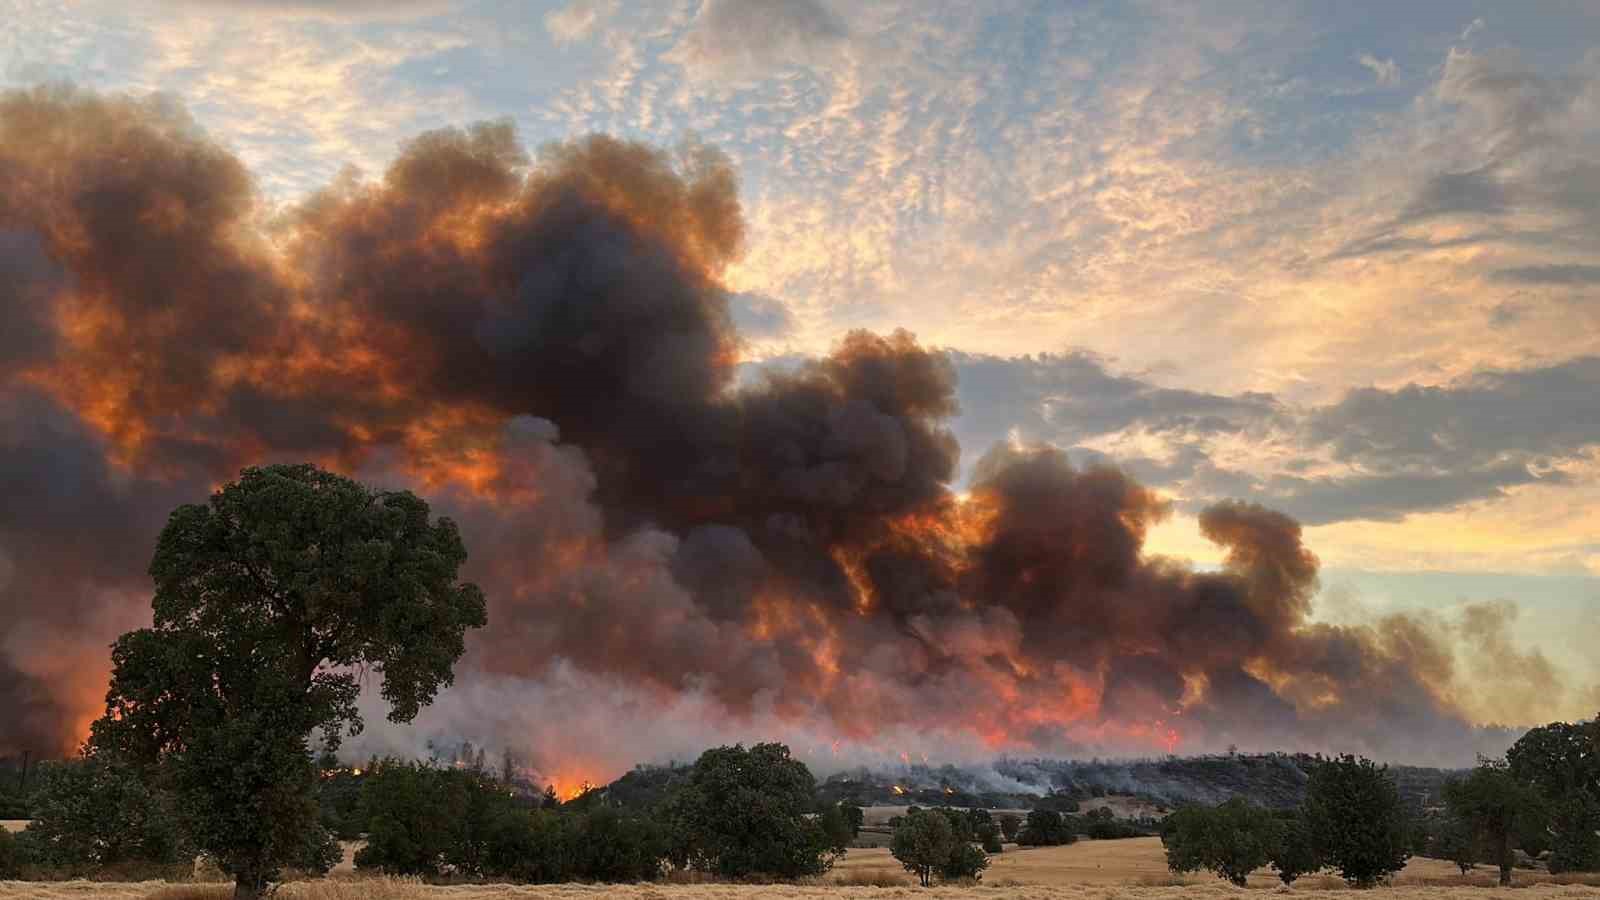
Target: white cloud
[[1385, 70]]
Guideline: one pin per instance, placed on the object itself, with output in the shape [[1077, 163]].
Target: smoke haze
[[543, 346]]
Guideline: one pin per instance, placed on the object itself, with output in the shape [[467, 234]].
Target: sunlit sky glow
[[1342, 259]]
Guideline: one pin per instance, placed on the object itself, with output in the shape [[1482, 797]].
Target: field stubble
[[1090, 870]]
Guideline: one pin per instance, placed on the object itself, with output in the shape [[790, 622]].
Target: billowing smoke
[[544, 348]]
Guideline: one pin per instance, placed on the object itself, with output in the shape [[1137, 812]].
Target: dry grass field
[[1089, 870], [13, 824]]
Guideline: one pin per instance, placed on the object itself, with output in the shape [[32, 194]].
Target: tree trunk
[[1505, 859], [248, 886]]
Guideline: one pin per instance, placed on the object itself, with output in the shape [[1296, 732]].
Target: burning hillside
[[543, 347]]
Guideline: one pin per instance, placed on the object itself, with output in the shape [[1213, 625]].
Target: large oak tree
[[270, 601]]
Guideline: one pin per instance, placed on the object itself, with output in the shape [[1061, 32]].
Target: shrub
[[1356, 819], [605, 845], [92, 812], [1010, 824], [989, 835], [421, 820]]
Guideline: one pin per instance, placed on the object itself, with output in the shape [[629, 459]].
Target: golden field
[[1089, 870]]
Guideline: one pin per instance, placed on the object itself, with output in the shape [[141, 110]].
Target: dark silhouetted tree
[[268, 601], [1010, 824]]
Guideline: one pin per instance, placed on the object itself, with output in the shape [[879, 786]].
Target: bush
[[1231, 840], [989, 836], [91, 813], [1356, 819], [421, 820], [1010, 824]]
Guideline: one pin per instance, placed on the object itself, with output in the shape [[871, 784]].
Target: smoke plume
[[543, 346]]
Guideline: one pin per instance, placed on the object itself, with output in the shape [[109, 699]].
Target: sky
[[1341, 260]]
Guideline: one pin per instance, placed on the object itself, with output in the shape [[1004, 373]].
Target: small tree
[[1357, 820], [1232, 839], [965, 861], [1454, 840], [923, 843], [1046, 828], [1576, 844], [93, 812], [743, 812], [1295, 853], [1497, 807], [10, 866], [268, 601], [989, 836], [1010, 824], [836, 828]]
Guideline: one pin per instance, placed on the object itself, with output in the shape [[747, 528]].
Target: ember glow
[[545, 349]]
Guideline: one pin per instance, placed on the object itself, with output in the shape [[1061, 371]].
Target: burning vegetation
[[543, 346]]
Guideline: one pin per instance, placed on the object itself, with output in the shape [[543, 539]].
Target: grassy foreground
[[1089, 870]]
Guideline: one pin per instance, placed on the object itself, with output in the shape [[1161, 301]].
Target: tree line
[[1541, 800]]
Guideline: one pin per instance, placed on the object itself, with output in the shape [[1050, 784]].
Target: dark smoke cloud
[[545, 348]]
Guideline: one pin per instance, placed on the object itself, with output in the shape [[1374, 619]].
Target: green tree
[[10, 864], [268, 601], [1453, 839], [1231, 840], [1562, 762], [743, 812], [1295, 853], [1498, 808], [989, 837], [1046, 828], [923, 843], [836, 828], [965, 861], [1010, 824], [607, 846], [93, 812], [1357, 821]]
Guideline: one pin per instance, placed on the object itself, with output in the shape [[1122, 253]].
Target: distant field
[[1090, 870], [13, 824], [398, 890]]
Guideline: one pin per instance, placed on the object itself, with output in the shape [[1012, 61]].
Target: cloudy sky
[[1342, 259]]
